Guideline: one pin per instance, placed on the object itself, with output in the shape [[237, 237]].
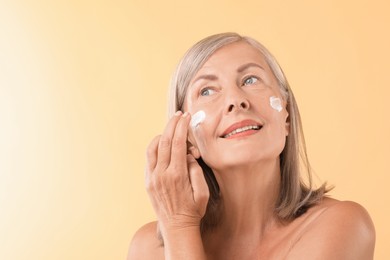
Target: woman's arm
[[344, 231], [182, 244]]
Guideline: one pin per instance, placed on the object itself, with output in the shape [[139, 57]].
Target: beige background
[[83, 90]]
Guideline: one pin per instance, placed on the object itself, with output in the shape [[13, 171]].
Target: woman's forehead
[[235, 55]]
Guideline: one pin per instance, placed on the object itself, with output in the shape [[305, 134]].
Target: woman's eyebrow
[[240, 69], [206, 77], [248, 65]]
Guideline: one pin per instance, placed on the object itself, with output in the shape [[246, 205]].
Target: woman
[[228, 185]]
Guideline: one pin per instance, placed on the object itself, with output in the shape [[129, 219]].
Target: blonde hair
[[296, 195]]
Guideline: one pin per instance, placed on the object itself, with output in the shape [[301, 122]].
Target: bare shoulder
[[145, 244], [337, 230]]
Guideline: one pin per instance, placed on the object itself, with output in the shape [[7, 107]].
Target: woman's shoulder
[[347, 214], [336, 230], [330, 205], [145, 244]]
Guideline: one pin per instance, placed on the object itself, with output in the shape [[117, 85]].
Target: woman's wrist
[[184, 243], [176, 225]]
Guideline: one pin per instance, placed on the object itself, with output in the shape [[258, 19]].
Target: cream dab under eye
[[197, 118], [276, 103]]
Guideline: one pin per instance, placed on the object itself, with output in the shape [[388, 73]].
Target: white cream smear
[[276, 103], [197, 118]]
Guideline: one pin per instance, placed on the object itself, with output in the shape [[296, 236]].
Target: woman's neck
[[249, 195]]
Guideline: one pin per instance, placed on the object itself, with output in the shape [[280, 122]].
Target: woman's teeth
[[242, 129]]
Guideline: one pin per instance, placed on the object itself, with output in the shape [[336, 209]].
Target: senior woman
[[227, 176]]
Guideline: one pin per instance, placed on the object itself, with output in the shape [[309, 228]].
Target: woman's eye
[[206, 92], [250, 80]]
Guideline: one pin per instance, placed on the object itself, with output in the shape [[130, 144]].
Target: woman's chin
[[242, 160]]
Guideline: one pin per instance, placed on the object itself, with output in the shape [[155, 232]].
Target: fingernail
[[178, 113], [185, 114]]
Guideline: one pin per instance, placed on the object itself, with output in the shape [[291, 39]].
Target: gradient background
[[83, 87]]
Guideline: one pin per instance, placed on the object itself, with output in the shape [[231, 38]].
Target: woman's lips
[[242, 128]]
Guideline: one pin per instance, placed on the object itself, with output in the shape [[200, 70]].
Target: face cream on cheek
[[276, 103], [197, 118]]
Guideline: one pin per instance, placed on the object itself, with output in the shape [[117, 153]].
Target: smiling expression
[[234, 87]]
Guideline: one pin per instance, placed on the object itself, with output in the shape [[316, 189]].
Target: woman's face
[[234, 89]]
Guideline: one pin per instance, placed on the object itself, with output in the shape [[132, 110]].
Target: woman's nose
[[236, 101]]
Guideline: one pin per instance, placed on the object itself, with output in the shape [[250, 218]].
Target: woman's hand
[[174, 180]]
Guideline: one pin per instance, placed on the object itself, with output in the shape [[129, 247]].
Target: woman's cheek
[[196, 133], [203, 128], [197, 119]]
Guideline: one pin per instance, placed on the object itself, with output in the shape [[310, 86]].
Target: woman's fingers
[[165, 142], [200, 189], [179, 143], [151, 154]]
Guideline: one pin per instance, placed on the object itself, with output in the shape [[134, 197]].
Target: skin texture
[[235, 84]]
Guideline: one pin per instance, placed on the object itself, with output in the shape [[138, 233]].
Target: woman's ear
[[287, 124], [287, 127], [193, 150]]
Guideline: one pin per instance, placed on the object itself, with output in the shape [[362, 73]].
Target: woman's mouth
[[243, 128]]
